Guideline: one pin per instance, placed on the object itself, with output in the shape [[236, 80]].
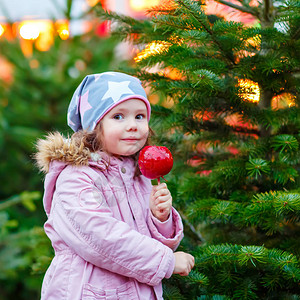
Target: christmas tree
[[233, 128]]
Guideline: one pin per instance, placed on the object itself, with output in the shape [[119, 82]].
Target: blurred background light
[[62, 27], [92, 2], [1, 30], [250, 90], [142, 5], [29, 30]]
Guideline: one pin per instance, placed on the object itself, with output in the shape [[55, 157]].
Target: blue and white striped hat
[[97, 94]]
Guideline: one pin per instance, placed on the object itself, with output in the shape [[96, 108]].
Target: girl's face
[[125, 128]]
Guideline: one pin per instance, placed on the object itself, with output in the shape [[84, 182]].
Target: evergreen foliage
[[236, 173]]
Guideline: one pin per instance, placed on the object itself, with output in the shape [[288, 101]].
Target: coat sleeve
[[94, 234], [170, 232]]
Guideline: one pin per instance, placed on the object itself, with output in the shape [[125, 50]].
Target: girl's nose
[[131, 124]]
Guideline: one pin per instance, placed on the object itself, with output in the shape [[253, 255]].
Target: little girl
[[112, 232]]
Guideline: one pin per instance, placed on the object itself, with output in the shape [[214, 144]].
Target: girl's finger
[[163, 199], [161, 186], [164, 206], [162, 192]]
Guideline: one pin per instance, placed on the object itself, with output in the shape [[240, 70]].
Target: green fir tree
[[236, 173]]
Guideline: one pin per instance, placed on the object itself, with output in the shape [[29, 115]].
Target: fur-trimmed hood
[[54, 153], [56, 147]]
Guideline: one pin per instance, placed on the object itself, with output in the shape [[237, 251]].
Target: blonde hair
[[93, 141]]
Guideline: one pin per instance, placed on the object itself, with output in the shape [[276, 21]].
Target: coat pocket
[[123, 292]]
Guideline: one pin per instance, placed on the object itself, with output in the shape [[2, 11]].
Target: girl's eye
[[140, 116], [118, 117]]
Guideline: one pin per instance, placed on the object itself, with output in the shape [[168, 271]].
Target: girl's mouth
[[130, 140]]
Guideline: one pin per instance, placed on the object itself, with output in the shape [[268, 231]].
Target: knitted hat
[[97, 94]]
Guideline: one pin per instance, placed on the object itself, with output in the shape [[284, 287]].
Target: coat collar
[[123, 165]]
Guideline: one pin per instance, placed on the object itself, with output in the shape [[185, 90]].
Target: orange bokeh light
[[29, 30], [142, 5], [39, 32], [6, 70], [250, 90], [92, 2], [283, 101], [62, 28], [1, 30]]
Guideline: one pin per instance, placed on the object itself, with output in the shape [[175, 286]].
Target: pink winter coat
[[107, 243]]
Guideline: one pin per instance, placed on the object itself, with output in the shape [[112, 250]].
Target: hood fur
[[56, 147]]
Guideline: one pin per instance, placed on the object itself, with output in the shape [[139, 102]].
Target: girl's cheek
[[147, 131]]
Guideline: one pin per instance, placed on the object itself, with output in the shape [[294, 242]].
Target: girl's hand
[[161, 202], [184, 263]]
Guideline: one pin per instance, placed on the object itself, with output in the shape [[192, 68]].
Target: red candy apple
[[155, 161]]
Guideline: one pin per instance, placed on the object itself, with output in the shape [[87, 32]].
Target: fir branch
[[282, 173], [172, 293], [219, 254], [285, 143], [198, 278], [246, 290], [256, 166], [165, 21], [229, 59], [129, 28], [250, 256], [224, 211], [248, 10], [272, 211]]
